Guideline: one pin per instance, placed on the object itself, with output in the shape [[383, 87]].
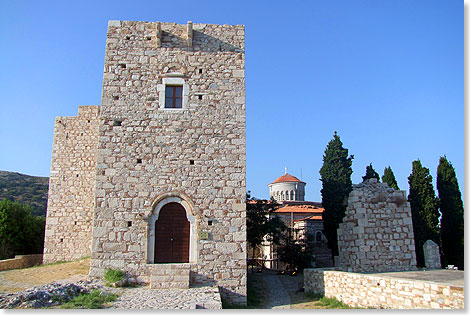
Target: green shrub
[[21, 233], [314, 296], [113, 275], [93, 300]]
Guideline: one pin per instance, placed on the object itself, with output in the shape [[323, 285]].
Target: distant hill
[[30, 190]]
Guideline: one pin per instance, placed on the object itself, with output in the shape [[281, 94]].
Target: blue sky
[[386, 75]]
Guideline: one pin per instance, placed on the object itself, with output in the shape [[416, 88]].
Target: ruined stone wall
[[148, 153], [377, 232], [72, 182]]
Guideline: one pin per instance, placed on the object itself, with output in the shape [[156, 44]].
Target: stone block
[[432, 257], [114, 247], [238, 73], [114, 23]]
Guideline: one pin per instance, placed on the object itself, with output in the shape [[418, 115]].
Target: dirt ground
[[20, 279]]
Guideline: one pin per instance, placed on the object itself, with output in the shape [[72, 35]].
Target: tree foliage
[[336, 186], [20, 232], [389, 178], [424, 209], [370, 173], [452, 220], [260, 225], [295, 252]]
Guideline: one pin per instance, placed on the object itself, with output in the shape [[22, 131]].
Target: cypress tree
[[389, 178], [452, 220], [336, 186], [370, 173], [424, 209]]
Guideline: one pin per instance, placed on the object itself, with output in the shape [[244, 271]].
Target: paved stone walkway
[[278, 296], [146, 298]]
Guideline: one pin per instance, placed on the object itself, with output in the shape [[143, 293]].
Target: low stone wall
[[363, 290], [21, 261]]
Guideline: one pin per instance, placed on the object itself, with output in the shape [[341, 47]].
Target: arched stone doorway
[[163, 208], [172, 235]]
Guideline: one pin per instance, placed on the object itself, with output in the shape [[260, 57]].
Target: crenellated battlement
[[189, 37]]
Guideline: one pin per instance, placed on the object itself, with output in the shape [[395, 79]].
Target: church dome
[[287, 188], [287, 178]]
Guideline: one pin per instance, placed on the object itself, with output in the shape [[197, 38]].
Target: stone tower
[[169, 199], [71, 198]]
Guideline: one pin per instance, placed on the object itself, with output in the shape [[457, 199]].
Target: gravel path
[[145, 298]]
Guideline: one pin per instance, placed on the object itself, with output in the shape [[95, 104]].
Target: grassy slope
[[30, 190]]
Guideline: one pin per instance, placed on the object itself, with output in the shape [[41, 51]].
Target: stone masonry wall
[[377, 233], [363, 290], [71, 198], [197, 153], [20, 262]]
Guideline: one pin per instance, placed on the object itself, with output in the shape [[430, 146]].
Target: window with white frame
[[173, 93], [173, 96]]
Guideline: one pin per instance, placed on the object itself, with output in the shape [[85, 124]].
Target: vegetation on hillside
[[21, 232], [29, 190]]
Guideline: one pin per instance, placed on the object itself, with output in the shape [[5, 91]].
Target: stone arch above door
[[157, 207]]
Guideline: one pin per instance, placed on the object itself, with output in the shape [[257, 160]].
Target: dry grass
[[21, 279]]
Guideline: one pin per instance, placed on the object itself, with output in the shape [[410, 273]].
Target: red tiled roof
[[287, 178], [300, 209], [299, 202], [312, 217]]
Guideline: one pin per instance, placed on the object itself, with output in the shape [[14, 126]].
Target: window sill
[[173, 109]]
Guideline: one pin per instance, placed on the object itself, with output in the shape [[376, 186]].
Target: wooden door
[[172, 235]]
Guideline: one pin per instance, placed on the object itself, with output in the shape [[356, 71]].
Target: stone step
[[169, 276]]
